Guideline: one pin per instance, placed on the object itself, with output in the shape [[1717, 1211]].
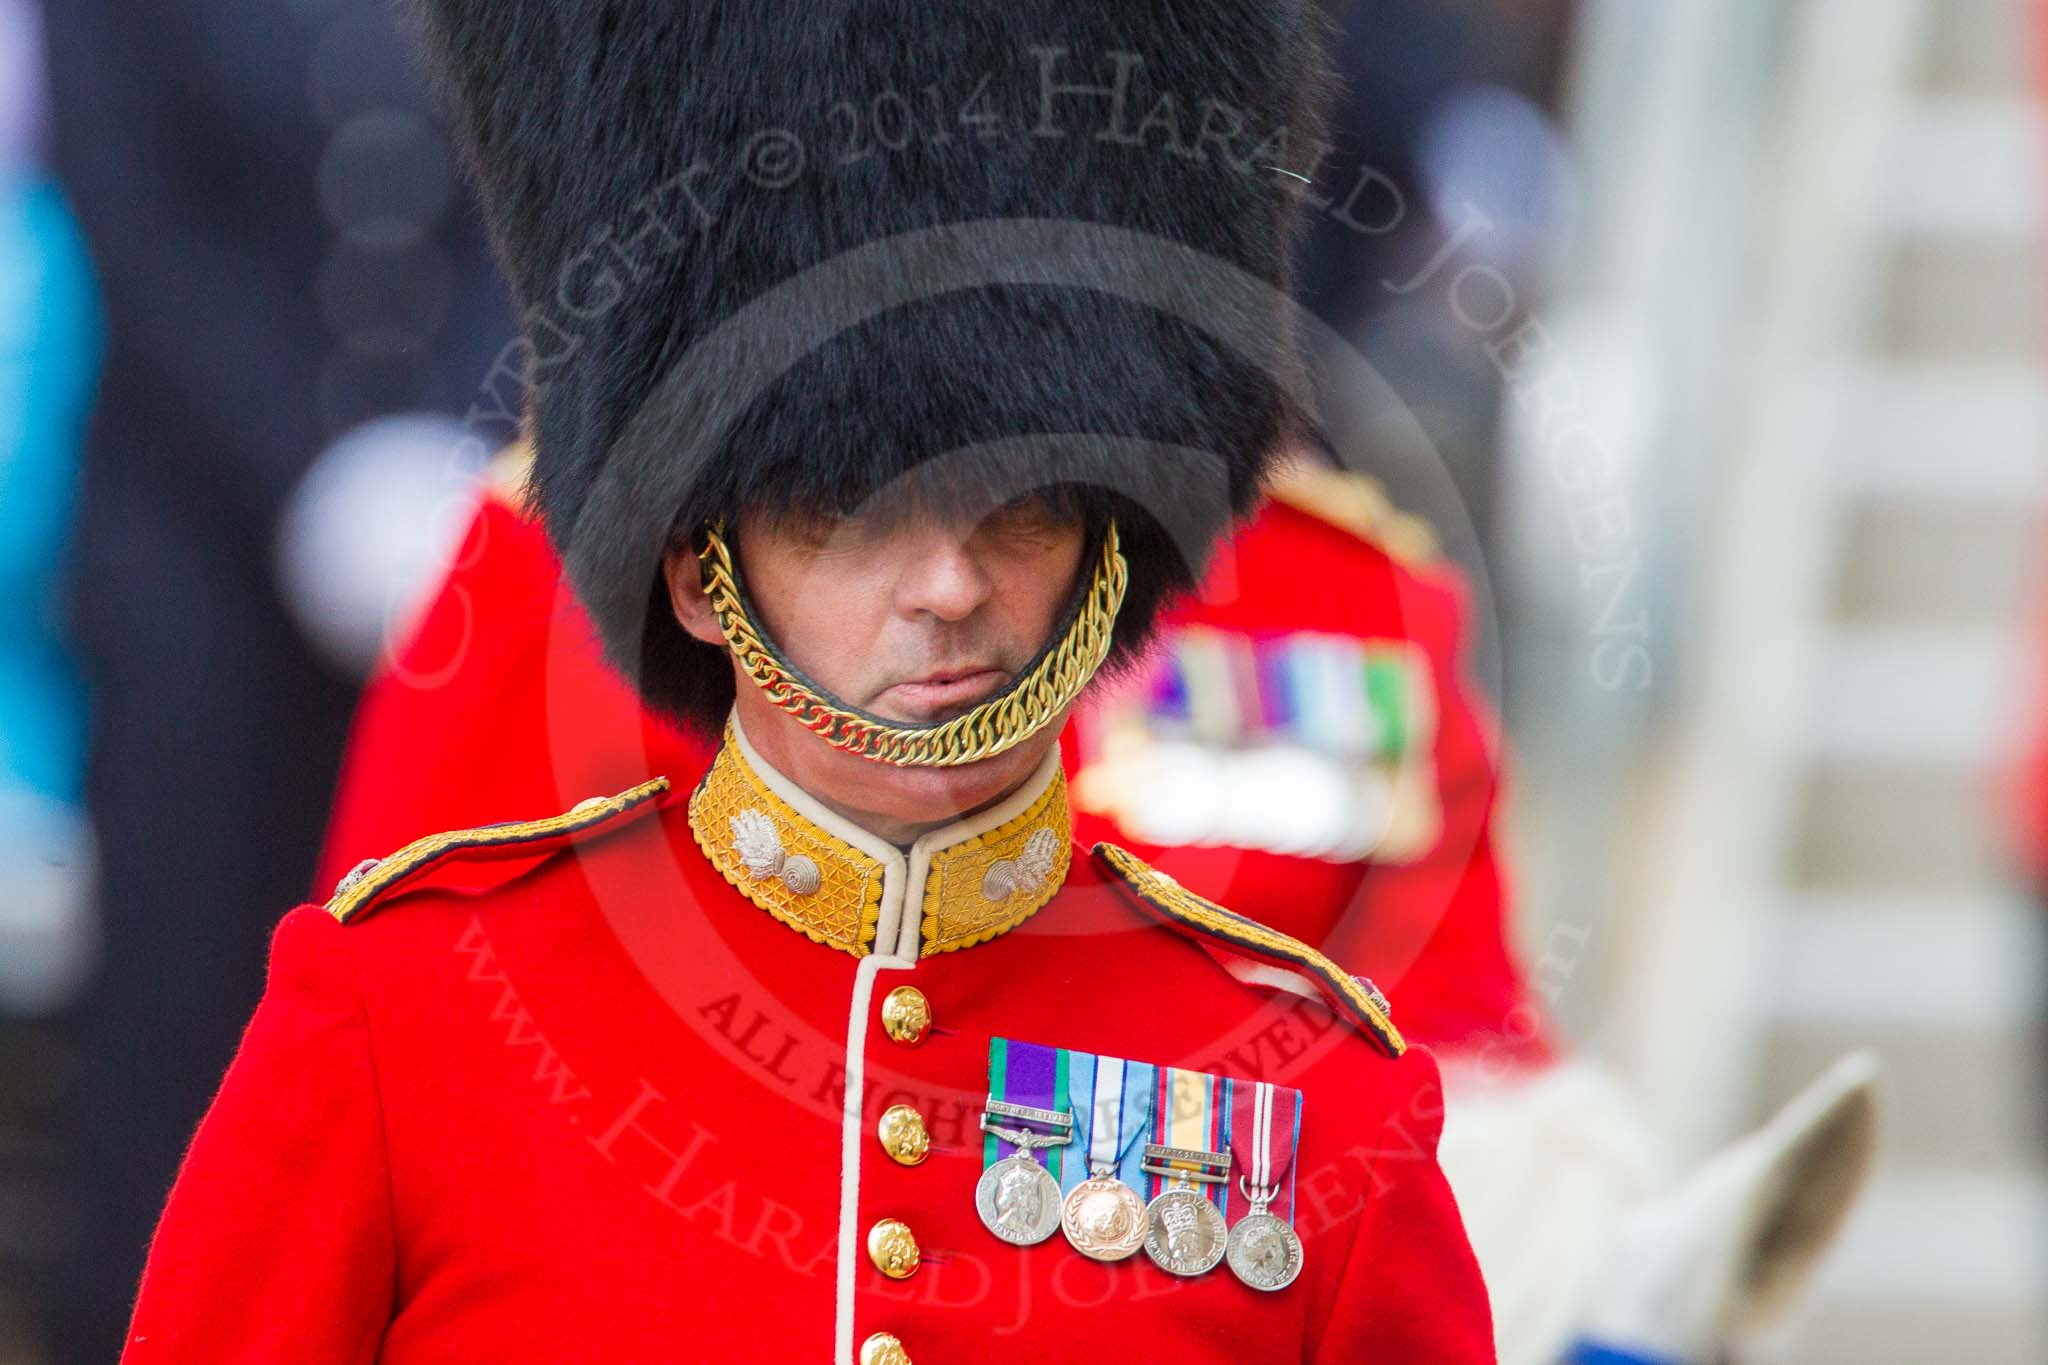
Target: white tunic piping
[[898, 926]]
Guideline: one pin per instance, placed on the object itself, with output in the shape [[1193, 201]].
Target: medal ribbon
[[1025, 1073], [1112, 1103], [1265, 1124], [1187, 1117]]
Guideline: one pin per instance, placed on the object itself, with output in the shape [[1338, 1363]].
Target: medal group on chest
[[1076, 1143]]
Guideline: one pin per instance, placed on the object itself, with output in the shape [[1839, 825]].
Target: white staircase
[[1902, 924], [1808, 856]]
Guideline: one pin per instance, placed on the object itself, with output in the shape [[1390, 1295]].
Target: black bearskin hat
[[780, 256]]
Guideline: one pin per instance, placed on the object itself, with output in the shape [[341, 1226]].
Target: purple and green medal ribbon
[[1028, 1074]]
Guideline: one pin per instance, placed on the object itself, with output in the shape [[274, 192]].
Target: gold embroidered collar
[[839, 885]]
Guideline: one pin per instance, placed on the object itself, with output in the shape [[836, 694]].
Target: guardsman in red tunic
[[865, 455], [1317, 759], [1306, 745]]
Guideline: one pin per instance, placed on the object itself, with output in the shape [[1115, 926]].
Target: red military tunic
[[576, 1091], [499, 706]]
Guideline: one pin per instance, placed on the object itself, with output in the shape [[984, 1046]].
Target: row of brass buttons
[[907, 1020]]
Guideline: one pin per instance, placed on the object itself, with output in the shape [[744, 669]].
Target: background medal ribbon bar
[[1345, 728], [1358, 698]]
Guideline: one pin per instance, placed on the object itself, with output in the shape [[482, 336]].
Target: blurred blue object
[[49, 355], [49, 351]]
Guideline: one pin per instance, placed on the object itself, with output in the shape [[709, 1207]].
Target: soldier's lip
[[938, 691]]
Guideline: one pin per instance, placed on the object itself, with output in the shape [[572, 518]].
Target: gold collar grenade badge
[[1002, 722]]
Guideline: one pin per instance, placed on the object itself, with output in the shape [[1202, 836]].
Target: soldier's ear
[[686, 595]]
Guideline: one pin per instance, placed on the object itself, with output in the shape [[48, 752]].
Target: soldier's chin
[[930, 796], [935, 795]]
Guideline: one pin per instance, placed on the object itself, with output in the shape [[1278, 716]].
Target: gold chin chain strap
[[993, 726]]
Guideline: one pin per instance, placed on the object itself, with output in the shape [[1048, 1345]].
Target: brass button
[[903, 1135], [906, 1015], [893, 1249], [883, 1349]]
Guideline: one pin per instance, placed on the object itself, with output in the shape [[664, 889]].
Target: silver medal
[[1184, 1234], [1017, 1199], [1264, 1251]]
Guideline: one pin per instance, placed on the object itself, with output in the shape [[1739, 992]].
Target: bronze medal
[[1104, 1218]]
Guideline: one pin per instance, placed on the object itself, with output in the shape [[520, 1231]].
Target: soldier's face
[[909, 618]]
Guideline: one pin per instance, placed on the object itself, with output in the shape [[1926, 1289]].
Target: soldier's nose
[[944, 579]]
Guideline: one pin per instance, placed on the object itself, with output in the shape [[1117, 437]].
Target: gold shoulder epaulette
[[375, 878], [1356, 504], [1353, 997]]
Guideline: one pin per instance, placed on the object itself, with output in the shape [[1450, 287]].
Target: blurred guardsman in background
[[1306, 746], [888, 380]]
